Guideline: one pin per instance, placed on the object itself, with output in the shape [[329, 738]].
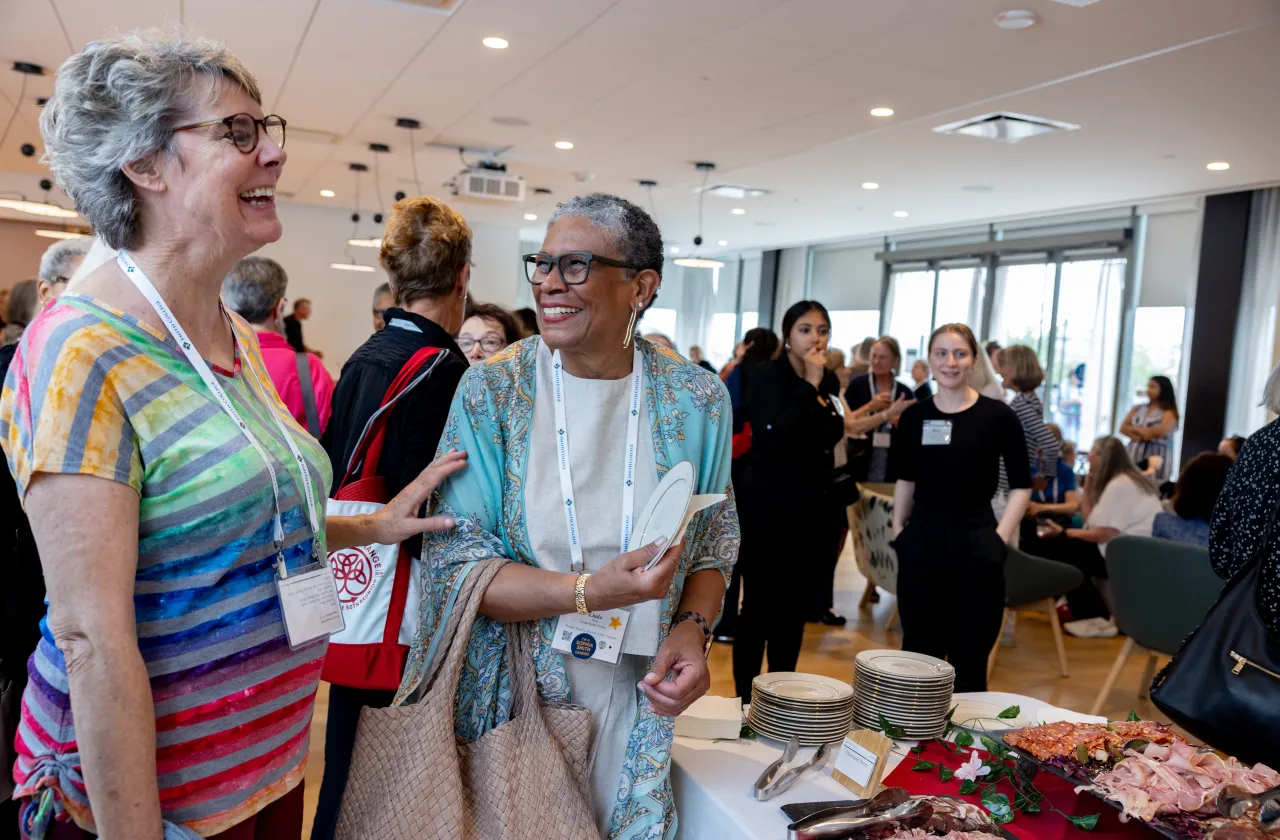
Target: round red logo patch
[[355, 570]]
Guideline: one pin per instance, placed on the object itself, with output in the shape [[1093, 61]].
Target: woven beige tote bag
[[411, 777]]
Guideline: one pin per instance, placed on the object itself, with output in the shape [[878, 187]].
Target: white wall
[[847, 278], [793, 270], [1170, 258], [342, 301]]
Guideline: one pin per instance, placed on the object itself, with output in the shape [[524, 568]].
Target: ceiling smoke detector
[[1005, 127]]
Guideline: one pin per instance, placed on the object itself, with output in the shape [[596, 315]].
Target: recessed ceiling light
[[870, 185], [495, 43], [59, 234], [351, 267], [1219, 166], [531, 217], [564, 144], [882, 112], [1017, 19], [738, 211], [365, 243], [327, 193], [900, 214], [723, 242], [675, 249]]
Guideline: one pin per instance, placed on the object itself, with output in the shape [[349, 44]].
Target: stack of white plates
[[815, 709], [909, 690]]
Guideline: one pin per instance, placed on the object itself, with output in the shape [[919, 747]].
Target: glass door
[[1086, 349]]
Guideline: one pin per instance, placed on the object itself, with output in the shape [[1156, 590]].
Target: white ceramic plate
[[904, 663], [797, 720], [793, 686], [968, 713], [665, 509]]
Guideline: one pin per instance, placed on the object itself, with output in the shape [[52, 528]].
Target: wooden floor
[[1030, 667]]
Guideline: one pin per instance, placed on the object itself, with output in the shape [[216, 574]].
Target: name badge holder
[[308, 595], [600, 635], [936, 433]]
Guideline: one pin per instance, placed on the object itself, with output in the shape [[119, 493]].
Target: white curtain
[[1256, 348]]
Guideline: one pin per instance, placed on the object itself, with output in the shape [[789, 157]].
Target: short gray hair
[[57, 259], [254, 287], [117, 101], [384, 289], [628, 227]]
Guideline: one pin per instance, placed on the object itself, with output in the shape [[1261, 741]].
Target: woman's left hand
[[1052, 529], [682, 655], [399, 519]]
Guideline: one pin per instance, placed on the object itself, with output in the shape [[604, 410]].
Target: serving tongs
[[893, 805], [771, 782], [1234, 802]]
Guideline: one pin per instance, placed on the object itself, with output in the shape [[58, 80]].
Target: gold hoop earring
[[631, 330]]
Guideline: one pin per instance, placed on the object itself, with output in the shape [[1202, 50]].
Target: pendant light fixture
[[44, 208], [697, 261], [411, 125], [351, 264]]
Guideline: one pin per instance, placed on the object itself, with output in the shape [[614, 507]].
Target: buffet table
[[712, 780]]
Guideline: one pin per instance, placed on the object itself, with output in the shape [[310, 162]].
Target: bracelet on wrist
[[580, 595], [702, 622]]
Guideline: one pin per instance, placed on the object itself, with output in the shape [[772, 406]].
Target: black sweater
[[793, 435]]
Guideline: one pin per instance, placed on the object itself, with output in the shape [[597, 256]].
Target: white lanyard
[[628, 473], [140, 279]]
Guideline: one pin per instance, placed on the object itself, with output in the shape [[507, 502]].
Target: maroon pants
[[281, 820]]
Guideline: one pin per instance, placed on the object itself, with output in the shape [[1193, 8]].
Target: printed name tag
[[309, 604], [597, 635], [936, 433], [881, 440]]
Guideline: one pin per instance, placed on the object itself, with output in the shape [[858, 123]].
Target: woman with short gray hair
[[171, 694], [57, 266], [628, 408]]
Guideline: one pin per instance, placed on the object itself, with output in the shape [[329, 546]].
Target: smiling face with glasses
[[217, 178], [586, 295]]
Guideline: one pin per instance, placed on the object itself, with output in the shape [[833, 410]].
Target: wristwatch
[[702, 622]]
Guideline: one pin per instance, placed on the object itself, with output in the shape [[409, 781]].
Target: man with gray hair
[[57, 265], [254, 290], [382, 301]]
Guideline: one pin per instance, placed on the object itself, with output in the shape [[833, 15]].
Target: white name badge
[[597, 635], [881, 440], [936, 433], [309, 604]]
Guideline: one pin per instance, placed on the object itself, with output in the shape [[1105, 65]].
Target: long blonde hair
[[1114, 461]]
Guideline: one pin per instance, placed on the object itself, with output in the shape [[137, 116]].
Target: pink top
[[282, 364]]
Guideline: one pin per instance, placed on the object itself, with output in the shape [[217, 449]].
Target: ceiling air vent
[[1005, 127], [735, 191]]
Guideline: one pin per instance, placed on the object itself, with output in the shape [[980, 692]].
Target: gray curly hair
[[57, 258], [116, 102], [629, 229]]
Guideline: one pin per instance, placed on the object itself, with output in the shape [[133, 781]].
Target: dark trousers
[[339, 742], [728, 623], [281, 820], [951, 590], [1085, 601], [782, 559]]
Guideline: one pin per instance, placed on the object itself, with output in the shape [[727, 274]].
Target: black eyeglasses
[[243, 129], [574, 266]]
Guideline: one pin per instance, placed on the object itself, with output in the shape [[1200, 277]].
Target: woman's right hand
[[623, 582], [899, 405], [880, 402], [815, 365]]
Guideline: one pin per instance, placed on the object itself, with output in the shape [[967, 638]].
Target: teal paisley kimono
[[491, 418]]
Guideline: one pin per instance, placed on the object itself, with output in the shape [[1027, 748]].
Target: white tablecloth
[[712, 780]]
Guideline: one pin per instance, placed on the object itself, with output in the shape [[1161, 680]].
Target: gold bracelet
[[580, 595]]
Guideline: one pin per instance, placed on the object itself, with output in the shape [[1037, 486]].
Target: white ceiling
[[776, 92]]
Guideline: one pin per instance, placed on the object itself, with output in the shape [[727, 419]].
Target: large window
[[1086, 349], [922, 300]]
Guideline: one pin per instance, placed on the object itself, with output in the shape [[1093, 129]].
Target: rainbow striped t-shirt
[[97, 392]]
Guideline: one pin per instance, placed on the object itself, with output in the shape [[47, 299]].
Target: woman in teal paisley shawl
[[600, 267]]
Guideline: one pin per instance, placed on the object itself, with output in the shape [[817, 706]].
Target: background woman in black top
[[789, 517], [951, 551], [879, 384]]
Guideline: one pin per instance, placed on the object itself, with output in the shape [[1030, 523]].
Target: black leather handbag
[[1223, 685]]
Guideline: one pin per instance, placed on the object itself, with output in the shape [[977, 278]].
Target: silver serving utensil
[[771, 772], [789, 778], [1235, 801], [843, 822]]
